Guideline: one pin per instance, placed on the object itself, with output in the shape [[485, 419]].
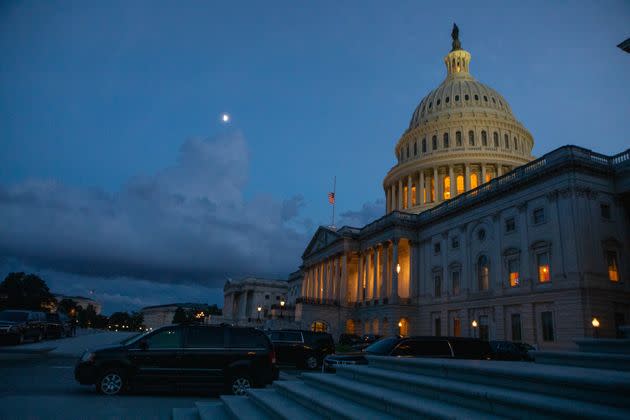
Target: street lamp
[[282, 302], [400, 324], [595, 323], [474, 326], [259, 309]]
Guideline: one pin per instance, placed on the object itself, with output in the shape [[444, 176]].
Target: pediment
[[321, 239]]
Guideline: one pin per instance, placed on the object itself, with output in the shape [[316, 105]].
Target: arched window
[[496, 139], [474, 181], [460, 184], [434, 142], [484, 138], [458, 139], [424, 145], [446, 140], [507, 141], [415, 148], [471, 138], [447, 187], [319, 326], [483, 273]]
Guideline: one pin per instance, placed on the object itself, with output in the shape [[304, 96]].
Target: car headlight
[[87, 357]]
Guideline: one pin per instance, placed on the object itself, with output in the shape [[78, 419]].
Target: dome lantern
[[457, 60]]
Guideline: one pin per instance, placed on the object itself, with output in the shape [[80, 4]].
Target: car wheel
[[311, 362], [111, 382], [240, 383]]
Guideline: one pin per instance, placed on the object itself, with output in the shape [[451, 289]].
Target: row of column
[[325, 281], [377, 277], [429, 189]]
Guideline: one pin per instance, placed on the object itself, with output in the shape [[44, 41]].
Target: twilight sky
[[117, 175]]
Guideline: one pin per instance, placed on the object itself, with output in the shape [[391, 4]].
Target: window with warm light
[[513, 273], [460, 184], [542, 260], [413, 195], [432, 190], [457, 327], [447, 187], [405, 195], [474, 181], [613, 267]]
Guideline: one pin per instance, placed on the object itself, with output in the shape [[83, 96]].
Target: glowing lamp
[[474, 323], [259, 308], [398, 268], [595, 322], [400, 324], [282, 302]]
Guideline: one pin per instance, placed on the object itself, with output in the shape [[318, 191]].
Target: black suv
[[18, 326], [182, 355], [441, 347], [303, 349], [58, 325]]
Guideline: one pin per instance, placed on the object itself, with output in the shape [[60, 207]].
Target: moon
[[225, 118]]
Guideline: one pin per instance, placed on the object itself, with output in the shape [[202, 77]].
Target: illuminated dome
[[462, 134]]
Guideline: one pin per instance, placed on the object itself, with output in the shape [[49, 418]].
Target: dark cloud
[[368, 213], [189, 222]]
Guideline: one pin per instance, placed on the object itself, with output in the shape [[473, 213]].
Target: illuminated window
[[513, 273], [413, 195], [542, 260], [405, 195], [447, 187], [319, 326], [458, 138], [484, 138], [613, 267], [474, 181], [496, 139], [432, 189], [460, 184], [488, 177], [457, 327], [471, 138], [457, 98], [483, 273], [446, 141], [424, 145]]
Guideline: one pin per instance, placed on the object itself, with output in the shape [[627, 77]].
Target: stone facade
[[243, 297]]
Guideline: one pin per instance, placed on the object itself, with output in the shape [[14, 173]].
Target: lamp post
[[259, 309], [282, 302], [595, 323], [474, 327], [400, 324]]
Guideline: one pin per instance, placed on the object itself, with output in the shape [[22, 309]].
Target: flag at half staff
[[331, 197]]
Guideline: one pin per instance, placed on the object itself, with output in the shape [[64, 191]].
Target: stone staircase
[[432, 388]]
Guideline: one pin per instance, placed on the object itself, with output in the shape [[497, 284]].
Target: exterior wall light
[[595, 323], [400, 324], [282, 302], [398, 268]]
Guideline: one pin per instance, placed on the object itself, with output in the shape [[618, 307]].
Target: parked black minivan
[[20, 325], [301, 348], [191, 355]]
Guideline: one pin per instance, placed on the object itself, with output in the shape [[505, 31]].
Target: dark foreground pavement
[[40, 386]]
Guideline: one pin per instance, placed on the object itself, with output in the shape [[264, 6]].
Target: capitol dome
[[462, 134]]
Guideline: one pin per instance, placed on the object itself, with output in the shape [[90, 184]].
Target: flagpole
[[334, 200]]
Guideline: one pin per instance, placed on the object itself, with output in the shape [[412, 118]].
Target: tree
[[25, 291], [118, 320], [68, 306], [87, 316], [136, 320], [180, 316]]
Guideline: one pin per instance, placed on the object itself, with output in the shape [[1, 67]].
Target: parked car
[[508, 350], [349, 339], [366, 340], [58, 325], [437, 347], [231, 358], [18, 326], [303, 349]]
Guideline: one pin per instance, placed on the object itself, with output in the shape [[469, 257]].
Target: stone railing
[[316, 301]]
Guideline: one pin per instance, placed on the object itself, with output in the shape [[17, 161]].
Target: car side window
[[243, 338], [205, 337], [166, 339], [291, 336], [275, 336], [424, 348]]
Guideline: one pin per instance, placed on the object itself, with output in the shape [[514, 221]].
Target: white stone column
[[436, 185], [413, 269], [387, 200], [409, 185], [384, 272], [393, 197], [466, 177], [483, 174], [423, 197], [499, 170], [394, 293], [375, 269], [320, 280], [451, 176], [360, 279], [400, 194], [343, 287]]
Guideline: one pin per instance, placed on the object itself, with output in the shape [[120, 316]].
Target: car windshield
[[134, 338], [13, 316], [383, 346]]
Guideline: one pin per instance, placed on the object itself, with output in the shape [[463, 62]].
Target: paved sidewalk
[[70, 346]]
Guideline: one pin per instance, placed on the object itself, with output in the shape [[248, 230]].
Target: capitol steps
[[433, 388]]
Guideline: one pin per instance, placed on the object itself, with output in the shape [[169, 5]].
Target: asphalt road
[[43, 387]]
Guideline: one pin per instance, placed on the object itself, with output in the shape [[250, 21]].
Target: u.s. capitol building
[[479, 238]]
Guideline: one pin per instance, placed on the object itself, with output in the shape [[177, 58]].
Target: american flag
[[331, 197]]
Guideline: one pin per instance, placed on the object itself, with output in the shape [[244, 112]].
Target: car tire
[[239, 383], [311, 362], [111, 382]]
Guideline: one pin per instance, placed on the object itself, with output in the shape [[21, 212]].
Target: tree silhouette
[[25, 291]]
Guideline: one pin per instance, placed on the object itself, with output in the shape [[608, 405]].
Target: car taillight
[[272, 357]]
